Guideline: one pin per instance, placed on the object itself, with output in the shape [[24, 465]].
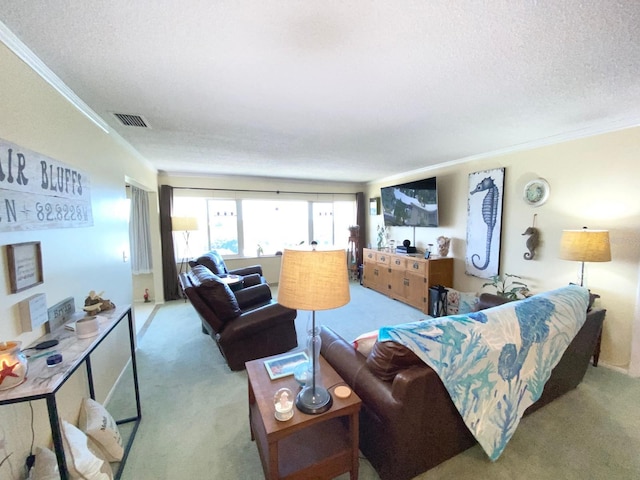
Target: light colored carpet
[[195, 414]]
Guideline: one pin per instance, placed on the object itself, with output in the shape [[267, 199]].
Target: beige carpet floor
[[195, 417]]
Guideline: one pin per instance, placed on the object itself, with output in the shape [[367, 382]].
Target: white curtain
[[139, 232]]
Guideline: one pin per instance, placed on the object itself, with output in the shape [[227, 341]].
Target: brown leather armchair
[[246, 324], [251, 275]]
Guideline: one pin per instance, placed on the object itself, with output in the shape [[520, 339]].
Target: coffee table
[[319, 446]]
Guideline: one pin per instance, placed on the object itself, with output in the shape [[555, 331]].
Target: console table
[[44, 382]]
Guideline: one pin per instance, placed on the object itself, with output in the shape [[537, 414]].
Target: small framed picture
[[374, 206], [24, 261], [284, 364]]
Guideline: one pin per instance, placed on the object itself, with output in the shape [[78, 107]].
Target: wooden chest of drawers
[[406, 278]]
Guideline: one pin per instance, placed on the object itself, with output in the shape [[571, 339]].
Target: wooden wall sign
[[38, 192], [33, 312], [60, 313], [24, 261]]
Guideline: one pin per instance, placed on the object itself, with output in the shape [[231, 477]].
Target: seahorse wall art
[[489, 215], [532, 242], [485, 198]]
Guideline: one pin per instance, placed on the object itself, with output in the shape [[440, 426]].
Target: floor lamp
[[585, 246], [185, 225], [314, 280]]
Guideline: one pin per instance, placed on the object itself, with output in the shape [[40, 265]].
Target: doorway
[[147, 285]]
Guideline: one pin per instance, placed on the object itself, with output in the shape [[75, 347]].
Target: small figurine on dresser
[[94, 303]]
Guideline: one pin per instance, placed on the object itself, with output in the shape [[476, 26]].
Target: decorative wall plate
[[536, 192]]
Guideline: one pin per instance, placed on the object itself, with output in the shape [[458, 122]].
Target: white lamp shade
[[313, 279], [184, 224], [585, 245]]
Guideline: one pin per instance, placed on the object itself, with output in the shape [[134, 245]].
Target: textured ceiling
[[335, 90]]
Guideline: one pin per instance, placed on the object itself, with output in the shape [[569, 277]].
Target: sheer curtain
[[139, 232]]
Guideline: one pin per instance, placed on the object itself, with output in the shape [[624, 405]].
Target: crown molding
[[31, 59], [614, 126]]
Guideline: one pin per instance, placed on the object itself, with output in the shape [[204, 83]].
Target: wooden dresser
[[404, 277]]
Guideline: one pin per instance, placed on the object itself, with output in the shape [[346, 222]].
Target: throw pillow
[[364, 343], [461, 303], [46, 466], [468, 302], [388, 358], [216, 294], [453, 301], [83, 460], [96, 422]]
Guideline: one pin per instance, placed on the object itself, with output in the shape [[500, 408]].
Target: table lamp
[[585, 246], [314, 280], [185, 225]]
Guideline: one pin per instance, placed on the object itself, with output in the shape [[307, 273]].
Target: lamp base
[[312, 404]]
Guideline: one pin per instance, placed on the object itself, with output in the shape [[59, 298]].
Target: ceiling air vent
[[131, 120]]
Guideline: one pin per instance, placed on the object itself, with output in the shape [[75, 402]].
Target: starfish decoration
[[7, 371]]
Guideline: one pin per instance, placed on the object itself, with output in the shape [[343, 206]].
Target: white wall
[[634, 366], [593, 183], [270, 266], [76, 260]]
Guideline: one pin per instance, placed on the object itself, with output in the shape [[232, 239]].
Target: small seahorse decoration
[[489, 215], [532, 242]]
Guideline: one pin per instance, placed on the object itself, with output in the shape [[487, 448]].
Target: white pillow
[[365, 342], [82, 462], [46, 466], [96, 422]]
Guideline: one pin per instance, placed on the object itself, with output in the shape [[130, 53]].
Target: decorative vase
[[443, 246], [13, 365]]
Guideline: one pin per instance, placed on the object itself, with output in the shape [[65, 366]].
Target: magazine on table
[[285, 364]]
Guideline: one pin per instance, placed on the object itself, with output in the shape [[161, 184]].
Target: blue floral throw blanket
[[495, 363]]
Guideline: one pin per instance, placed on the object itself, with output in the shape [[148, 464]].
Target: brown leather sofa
[[408, 423], [246, 324], [251, 275]]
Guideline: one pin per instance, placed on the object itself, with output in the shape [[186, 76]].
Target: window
[[244, 227], [273, 225], [223, 226]]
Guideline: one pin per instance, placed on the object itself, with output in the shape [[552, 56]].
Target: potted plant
[[507, 287]]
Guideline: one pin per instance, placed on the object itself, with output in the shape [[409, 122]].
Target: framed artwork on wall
[[24, 261], [484, 222], [374, 206]]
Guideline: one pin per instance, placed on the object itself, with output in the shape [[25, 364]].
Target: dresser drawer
[[383, 258], [369, 255], [397, 263], [416, 266]]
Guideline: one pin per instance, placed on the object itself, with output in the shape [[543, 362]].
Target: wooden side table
[[319, 446]]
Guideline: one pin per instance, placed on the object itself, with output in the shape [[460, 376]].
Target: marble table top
[[42, 379]]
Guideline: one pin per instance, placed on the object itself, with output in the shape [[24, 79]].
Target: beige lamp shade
[[585, 245], [184, 224], [313, 279]]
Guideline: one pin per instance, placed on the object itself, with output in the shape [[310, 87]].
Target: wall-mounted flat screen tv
[[413, 204]]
